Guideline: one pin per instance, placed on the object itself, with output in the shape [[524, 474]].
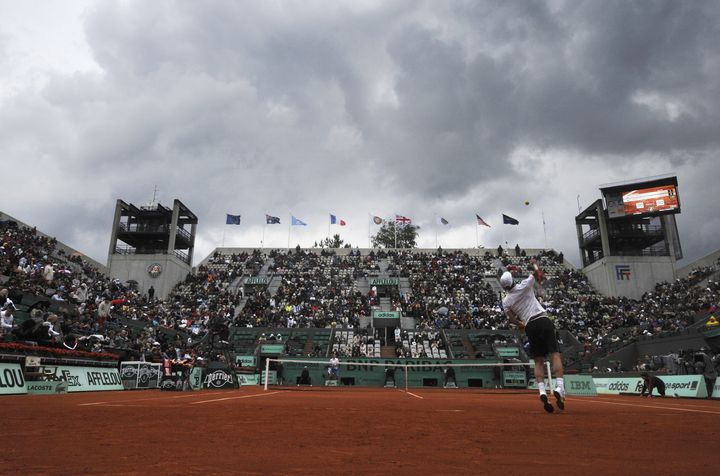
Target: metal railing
[[147, 228], [129, 250]]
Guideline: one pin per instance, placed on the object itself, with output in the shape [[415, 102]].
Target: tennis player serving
[[523, 309]]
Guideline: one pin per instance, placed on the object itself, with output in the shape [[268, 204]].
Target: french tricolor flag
[[334, 221]]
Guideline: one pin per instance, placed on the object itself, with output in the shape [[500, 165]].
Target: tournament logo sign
[[218, 379], [145, 373], [140, 374], [154, 270], [128, 374]]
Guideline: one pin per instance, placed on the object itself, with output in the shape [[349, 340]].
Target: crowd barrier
[[691, 386], [575, 385], [59, 379], [145, 375]]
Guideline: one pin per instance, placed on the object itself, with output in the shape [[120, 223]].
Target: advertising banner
[[386, 314], [12, 381], [89, 379], [685, 386], [218, 378], [617, 385], [196, 378], [692, 386], [507, 352], [580, 385], [272, 377], [514, 379], [245, 360], [139, 375], [716, 388], [272, 349], [248, 379], [46, 387], [575, 385]]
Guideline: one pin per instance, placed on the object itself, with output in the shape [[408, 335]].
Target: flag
[[271, 220], [480, 221], [509, 220], [401, 220], [232, 219], [377, 220], [442, 221], [295, 222], [335, 221]]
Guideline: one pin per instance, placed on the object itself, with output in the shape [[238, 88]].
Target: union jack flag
[[401, 220]]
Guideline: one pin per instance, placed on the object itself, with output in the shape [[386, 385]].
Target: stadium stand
[[320, 300]]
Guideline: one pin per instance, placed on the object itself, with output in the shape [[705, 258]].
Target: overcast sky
[[356, 108]]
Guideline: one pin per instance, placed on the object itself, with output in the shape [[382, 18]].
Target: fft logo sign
[[622, 272]]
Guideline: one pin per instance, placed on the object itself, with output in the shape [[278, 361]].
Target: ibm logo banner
[[622, 272]]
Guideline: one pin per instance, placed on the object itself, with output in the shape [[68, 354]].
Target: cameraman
[[704, 366]]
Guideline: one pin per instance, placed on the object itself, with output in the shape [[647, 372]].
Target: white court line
[[416, 396], [637, 405], [236, 398], [670, 401], [168, 397]]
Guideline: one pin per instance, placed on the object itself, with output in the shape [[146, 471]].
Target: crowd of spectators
[[448, 290], [316, 290], [77, 306]]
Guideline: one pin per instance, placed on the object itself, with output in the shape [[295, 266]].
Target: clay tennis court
[[353, 431]]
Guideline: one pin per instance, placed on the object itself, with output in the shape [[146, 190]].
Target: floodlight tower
[[629, 239], [152, 245]]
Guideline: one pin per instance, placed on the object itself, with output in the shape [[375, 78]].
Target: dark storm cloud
[[414, 107], [617, 51]]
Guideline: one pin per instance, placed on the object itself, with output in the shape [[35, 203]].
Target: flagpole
[[328, 227], [262, 243], [542, 213], [477, 239], [503, 236], [289, 225], [223, 239], [436, 228], [395, 230], [369, 218]]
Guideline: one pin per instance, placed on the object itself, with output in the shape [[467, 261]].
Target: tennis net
[[398, 373]]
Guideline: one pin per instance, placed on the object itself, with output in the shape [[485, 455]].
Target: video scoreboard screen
[[654, 197]]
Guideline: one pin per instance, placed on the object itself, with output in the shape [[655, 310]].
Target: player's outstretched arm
[[538, 273]]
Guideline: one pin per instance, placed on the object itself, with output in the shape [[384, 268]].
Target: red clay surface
[[353, 431]]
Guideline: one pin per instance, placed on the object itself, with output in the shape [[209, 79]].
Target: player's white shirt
[[334, 362], [521, 300]]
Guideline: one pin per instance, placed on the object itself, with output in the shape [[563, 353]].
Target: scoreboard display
[[653, 197], [651, 200]]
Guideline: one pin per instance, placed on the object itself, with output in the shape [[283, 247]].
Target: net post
[[406, 377], [267, 373], [550, 382]]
